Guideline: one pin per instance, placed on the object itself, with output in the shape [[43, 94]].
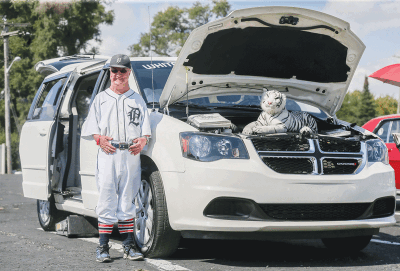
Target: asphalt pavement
[[24, 246]]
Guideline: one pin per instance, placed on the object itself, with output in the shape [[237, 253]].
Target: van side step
[[77, 226]]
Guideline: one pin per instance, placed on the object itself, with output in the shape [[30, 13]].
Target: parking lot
[[23, 245]]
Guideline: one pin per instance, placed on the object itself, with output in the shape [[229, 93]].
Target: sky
[[376, 23]]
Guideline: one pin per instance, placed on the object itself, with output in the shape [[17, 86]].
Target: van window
[[395, 129], [84, 90], [48, 99], [383, 131]]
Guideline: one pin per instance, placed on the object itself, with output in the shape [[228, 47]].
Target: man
[[119, 123]]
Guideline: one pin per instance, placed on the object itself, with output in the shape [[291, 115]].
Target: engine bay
[[215, 123]]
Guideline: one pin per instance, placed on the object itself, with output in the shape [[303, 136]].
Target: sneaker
[[102, 254], [131, 253]]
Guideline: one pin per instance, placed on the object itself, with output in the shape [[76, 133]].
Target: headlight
[[207, 147], [377, 151]]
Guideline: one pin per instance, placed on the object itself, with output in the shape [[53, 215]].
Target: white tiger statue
[[276, 119]]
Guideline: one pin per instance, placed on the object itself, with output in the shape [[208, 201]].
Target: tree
[[70, 25], [94, 51], [349, 110], [367, 109], [57, 29], [170, 28], [386, 105]]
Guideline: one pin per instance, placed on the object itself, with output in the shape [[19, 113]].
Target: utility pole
[[5, 35]]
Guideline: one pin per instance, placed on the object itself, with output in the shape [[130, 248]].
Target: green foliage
[[221, 8], [349, 110], [66, 27], [359, 107], [386, 105], [171, 28], [168, 31], [199, 14], [367, 108], [57, 29]]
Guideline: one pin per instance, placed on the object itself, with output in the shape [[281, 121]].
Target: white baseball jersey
[[123, 117]]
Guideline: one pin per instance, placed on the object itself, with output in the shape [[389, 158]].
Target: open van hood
[[309, 55]]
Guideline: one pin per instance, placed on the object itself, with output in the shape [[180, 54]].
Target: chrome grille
[[291, 143], [329, 144], [290, 154], [340, 166]]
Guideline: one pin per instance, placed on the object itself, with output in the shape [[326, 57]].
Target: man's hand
[[104, 144], [138, 147]]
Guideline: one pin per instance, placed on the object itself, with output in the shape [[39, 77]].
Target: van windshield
[[253, 101], [152, 75]]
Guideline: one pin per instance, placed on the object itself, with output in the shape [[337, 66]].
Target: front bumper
[[190, 192]]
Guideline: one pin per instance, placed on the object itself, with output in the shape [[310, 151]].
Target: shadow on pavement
[[290, 253]]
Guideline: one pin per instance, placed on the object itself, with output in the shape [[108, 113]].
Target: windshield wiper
[[211, 106], [190, 105], [240, 107]]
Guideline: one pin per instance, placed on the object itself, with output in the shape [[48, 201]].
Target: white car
[[203, 178]]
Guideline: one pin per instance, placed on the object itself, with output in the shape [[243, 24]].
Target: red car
[[384, 127]]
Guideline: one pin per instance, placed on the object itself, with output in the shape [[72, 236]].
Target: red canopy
[[389, 74]]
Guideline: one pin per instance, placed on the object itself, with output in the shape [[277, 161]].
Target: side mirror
[[396, 139], [36, 113]]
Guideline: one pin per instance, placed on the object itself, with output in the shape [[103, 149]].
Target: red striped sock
[[125, 226], [105, 228]]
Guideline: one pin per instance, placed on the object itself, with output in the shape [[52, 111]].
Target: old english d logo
[[119, 60], [134, 115]]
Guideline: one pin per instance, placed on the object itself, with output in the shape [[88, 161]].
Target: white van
[[212, 181]]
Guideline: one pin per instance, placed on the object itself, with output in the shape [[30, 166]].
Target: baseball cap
[[120, 61]]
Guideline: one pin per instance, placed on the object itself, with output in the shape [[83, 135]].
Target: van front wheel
[[153, 233]]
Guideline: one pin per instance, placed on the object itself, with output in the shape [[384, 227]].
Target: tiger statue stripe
[[276, 119]]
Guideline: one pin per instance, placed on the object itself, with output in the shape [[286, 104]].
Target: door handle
[[43, 132], [389, 150]]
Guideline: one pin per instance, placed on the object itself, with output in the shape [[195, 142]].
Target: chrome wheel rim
[[144, 214], [44, 211]]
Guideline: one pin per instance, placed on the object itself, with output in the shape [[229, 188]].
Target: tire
[[48, 214], [347, 244], [153, 233]]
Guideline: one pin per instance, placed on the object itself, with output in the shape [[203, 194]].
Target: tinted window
[[395, 129], [152, 76], [383, 131], [48, 98], [84, 92]]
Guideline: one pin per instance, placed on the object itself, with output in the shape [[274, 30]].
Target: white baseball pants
[[118, 177]]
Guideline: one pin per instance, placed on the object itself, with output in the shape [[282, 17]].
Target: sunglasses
[[116, 71]]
